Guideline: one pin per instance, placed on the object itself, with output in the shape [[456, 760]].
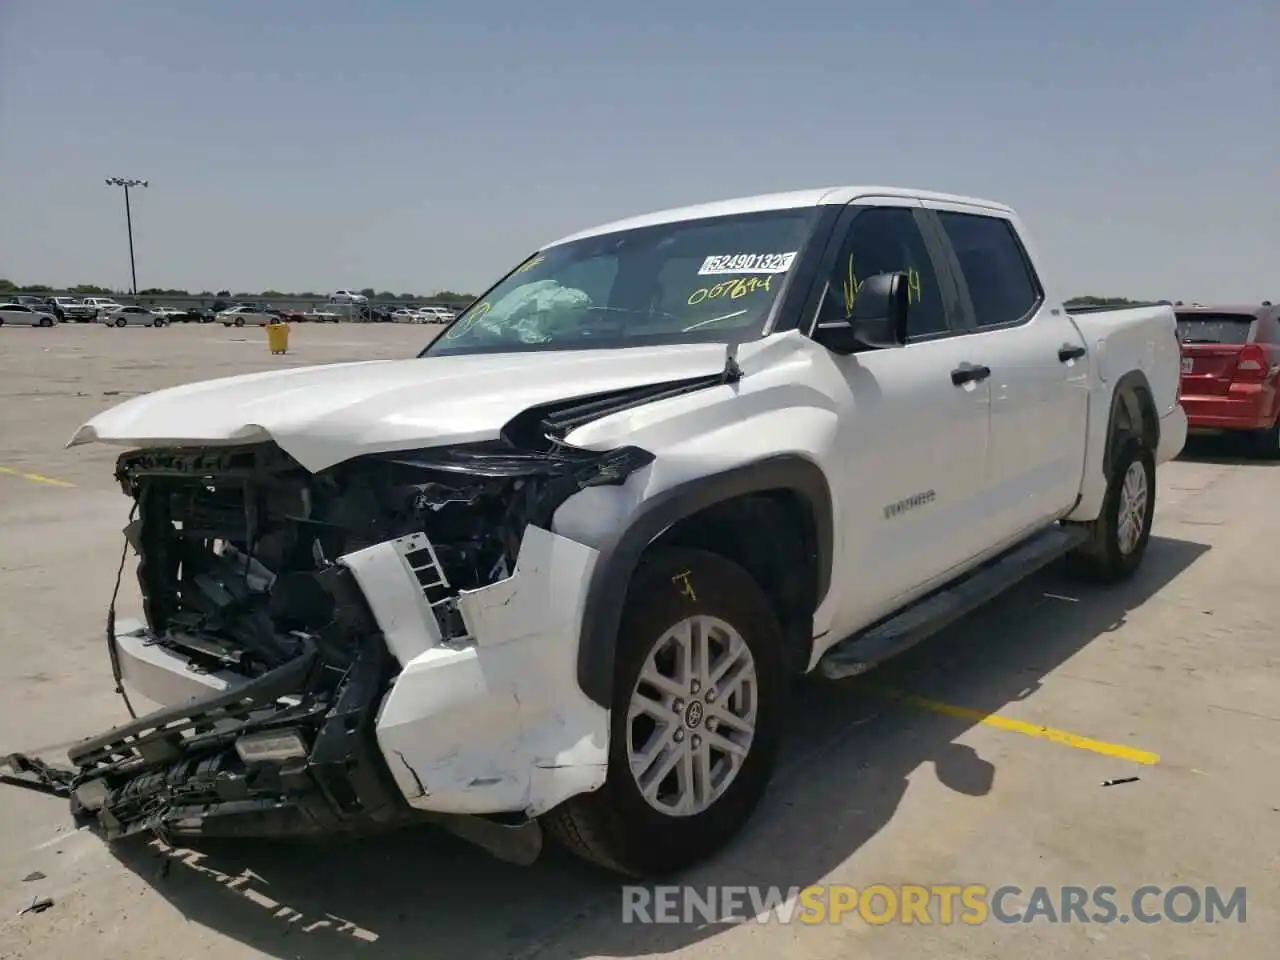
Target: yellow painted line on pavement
[[1116, 750], [35, 477]]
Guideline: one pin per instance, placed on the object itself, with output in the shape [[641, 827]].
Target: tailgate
[[1211, 345]]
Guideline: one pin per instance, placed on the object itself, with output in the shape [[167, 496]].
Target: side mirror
[[880, 311]]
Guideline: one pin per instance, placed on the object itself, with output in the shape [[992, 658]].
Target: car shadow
[[844, 771], [1224, 448]]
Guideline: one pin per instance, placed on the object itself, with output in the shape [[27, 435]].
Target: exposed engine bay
[[238, 546], [239, 567]]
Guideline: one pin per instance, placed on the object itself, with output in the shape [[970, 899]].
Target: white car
[[242, 316], [560, 568], [101, 305], [407, 316], [23, 315], [322, 316], [167, 313], [347, 296], [133, 316], [437, 314]]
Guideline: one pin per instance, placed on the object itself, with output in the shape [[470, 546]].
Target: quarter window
[[1002, 287]]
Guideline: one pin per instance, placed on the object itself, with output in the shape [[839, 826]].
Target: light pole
[[127, 182]]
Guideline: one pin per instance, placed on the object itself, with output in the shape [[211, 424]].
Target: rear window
[[1228, 328]]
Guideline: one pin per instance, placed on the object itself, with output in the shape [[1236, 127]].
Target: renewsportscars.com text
[[935, 904]]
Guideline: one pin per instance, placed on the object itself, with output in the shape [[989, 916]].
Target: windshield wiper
[[707, 323]]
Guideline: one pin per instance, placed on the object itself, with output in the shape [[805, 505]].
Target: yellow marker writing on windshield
[[529, 264], [733, 289], [463, 327]]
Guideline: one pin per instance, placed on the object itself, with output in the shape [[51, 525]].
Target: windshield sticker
[[747, 263], [733, 289]]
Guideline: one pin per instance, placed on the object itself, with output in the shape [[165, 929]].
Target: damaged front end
[[274, 632]]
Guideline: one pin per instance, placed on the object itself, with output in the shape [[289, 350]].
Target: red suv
[[1231, 370]]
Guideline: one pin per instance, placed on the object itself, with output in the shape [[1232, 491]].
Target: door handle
[[1068, 352], [969, 373]]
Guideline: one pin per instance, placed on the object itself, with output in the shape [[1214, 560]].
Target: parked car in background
[[132, 316], [438, 314], [317, 315], [1231, 371], [75, 310], [101, 305], [63, 307], [347, 296], [169, 314], [244, 315], [24, 315], [404, 315], [38, 302]]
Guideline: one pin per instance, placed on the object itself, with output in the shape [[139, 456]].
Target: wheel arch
[[784, 486], [1133, 413]]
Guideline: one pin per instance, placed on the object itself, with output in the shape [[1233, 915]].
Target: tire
[[46, 322], [239, 321], [1266, 443], [615, 826], [1113, 552], [121, 322]]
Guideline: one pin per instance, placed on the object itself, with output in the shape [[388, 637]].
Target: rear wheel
[[1119, 536], [697, 698]]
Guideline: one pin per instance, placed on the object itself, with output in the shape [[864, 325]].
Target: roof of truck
[[795, 199]]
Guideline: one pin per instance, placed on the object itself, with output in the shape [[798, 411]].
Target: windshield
[[709, 280]]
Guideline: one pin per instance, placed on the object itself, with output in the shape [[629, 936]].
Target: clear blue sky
[[317, 144]]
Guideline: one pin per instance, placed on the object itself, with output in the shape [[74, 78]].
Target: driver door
[[912, 441]]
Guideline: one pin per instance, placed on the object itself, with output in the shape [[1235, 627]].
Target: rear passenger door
[[1039, 373]]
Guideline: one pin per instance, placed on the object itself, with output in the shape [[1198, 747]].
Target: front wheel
[[696, 709], [1119, 536], [121, 322]]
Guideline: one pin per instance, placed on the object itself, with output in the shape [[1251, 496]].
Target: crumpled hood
[[323, 415]]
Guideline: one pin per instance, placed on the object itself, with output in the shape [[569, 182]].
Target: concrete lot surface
[[977, 759]]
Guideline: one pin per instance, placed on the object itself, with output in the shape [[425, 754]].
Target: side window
[[885, 240], [1002, 286]]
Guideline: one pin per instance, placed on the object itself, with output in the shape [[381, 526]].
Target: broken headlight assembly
[[238, 547]]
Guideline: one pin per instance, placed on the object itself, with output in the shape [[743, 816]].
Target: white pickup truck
[[557, 571]]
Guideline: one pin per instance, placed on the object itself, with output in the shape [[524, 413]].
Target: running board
[[862, 651]]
